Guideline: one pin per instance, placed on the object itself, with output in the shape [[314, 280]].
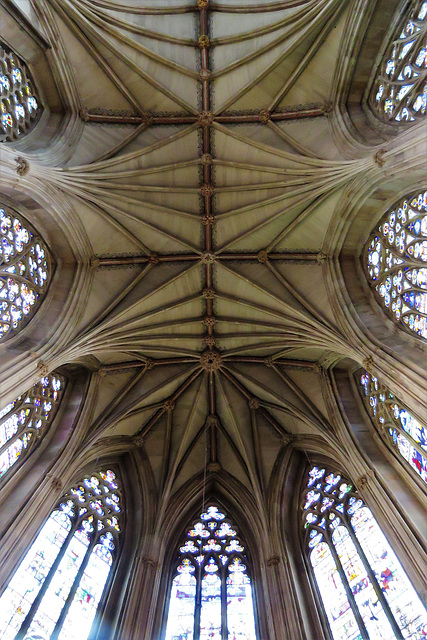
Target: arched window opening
[[56, 590], [395, 424], [20, 105], [396, 263], [25, 272], [364, 590], [400, 90], [211, 594], [26, 420]]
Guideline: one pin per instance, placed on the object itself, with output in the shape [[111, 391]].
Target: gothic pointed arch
[[399, 92], [26, 270], [399, 429], [211, 592], [25, 421], [395, 263], [21, 107], [364, 590], [57, 587]]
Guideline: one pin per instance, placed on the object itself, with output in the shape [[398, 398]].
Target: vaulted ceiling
[[206, 178]]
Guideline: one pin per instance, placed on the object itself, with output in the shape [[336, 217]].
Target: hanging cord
[[205, 468]]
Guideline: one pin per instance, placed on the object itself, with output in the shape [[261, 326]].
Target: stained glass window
[[25, 271], [211, 594], [25, 420], [20, 106], [396, 263], [55, 592], [364, 589], [400, 90], [395, 424]]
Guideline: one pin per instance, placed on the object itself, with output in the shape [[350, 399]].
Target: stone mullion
[[46, 583], [348, 590], [58, 626], [371, 575]]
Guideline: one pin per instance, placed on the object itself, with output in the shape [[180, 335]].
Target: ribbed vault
[[205, 178]]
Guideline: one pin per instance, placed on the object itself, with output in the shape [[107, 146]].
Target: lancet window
[[400, 90], [25, 272], [395, 424], [364, 590], [211, 593], [55, 592], [25, 421], [396, 263], [20, 105]]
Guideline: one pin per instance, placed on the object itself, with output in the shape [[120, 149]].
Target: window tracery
[[395, 424], [20, 105], [211, 594], [25, 271], [25, 421], [364, 589], [396, 263], [56, 589], [400, 90]]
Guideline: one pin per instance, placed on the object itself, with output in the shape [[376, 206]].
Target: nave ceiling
[[201, 192]]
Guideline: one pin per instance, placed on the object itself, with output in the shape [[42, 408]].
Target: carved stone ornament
[[94, 263], [264, 116], [263, 257], [206, 158], [153, 258], [213, 467], [55, 483], [209, 341], [22, 166], [269, 362], [363, 482], [204, 74], [202, 4], [287, 438], [147, 119], [368, 363], [321, 257], [209, 321], [379, 157], [84, 114], [138, 440], [208, 294], [253, 403], [169, 405], [149, 364], [207, 190], [203, 41], [205, 118], [317, 367], [273, 561], [210, 360], [212, 421], [42, 368], [208, 219], [208, 257]]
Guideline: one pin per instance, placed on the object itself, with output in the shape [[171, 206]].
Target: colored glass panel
[[395, 424], [364, 575], [21, 108], [402, 599], [210, 616], [211, 578], [400, 90], [81, 535], [25, 420], [396, 263], [25, 271], [340, 615]]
